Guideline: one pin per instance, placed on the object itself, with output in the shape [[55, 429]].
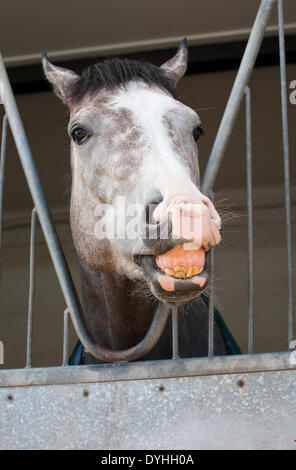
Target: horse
[[133, 140]]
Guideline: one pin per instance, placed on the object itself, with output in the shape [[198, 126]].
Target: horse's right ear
[[60, 78]]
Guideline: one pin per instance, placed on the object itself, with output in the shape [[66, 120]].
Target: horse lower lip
[[168, 288]]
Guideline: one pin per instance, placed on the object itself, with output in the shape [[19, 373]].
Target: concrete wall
[[45, 122]]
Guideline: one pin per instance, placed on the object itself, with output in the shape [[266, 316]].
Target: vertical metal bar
[[286, 168], [31, 289], [40, 203], [2, 177], [212, 299], [250, 221], [175, 332], [237, 94], [66, 338]]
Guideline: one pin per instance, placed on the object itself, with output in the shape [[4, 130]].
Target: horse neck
[[115, 316]]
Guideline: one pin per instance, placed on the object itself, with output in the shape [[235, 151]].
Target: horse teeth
[[180, 269], [180, 272], [189, 272], [194, 270], [180, 275], [168, 271]]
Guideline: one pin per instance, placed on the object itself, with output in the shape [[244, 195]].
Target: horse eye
[[79, 135], [197, 132]]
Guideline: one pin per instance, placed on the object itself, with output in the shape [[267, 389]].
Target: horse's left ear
[[177, 65], [60, 78]]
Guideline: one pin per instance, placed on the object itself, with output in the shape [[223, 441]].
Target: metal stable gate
[[238, 402]]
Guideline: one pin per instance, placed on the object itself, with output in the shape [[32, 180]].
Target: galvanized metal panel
[[237, 411], [241, 363]]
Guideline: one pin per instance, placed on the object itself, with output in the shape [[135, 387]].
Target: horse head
[[134, 151]]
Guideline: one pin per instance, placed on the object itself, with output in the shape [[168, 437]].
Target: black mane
[[113, 73]]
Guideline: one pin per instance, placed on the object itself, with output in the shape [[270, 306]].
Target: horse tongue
[[182, 263]]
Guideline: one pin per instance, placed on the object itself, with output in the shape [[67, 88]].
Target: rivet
[[240, 383]]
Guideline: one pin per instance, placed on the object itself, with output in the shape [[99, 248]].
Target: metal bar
[[211, 306], [31, 289], [175, 332], [2, 178], [66, 339], [55, 248], [37, 191], [286, 168], [236, 95], [189, 367], [211, 300], [250, 221]]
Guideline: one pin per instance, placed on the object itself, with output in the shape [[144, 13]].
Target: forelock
[[114, 73]]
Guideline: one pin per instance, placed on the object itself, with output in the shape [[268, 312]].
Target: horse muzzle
[[174, 264]]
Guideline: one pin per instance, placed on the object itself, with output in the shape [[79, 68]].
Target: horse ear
[[177, 65], [60, 78]]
